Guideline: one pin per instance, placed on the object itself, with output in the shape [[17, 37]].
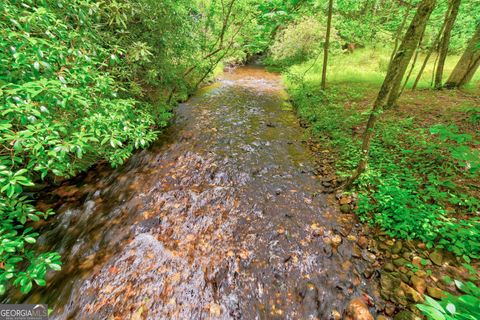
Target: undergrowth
[[418, 184]]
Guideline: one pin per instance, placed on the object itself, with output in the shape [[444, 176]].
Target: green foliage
[[273, 15], [464, 307], [412, 187], [458, 145], [364, 23], [83, 81], [298, 42], [473, 114], [61, 110], [157, 40]]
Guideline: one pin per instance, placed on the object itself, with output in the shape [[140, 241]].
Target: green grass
[[368, 66], [415, 186]]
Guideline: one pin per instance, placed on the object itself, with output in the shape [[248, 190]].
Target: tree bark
[[409, 44], [414, 62], [444, 42], [467, 65], [399, 33], [327, 45], [393, 79], [432, 48]]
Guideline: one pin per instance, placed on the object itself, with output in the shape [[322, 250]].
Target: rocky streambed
[[230, 215]]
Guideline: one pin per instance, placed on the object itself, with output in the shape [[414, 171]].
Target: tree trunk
[[467, 65], [327, 45], [409, 44], [432, 48], [399, 33], [393, 79], [414, 63], [444, 42]]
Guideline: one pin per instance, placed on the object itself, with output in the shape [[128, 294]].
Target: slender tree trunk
[[433, 71], [393, 79], [443, 46], [399, 33], [429, 54], [468, 63], [409, 46], [414, 62], [327, 45]]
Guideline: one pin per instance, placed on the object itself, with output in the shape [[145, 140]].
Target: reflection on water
[[222, 218]]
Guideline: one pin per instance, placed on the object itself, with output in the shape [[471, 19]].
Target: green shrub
[[473, 114], [61, 111], [298, 42], [412, 187]]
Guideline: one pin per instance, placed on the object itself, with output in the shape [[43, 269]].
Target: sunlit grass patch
[[368, 67]]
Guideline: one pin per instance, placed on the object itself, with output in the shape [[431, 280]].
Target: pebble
[[421, 273], [336, 240], [336, 315], [421, 245], [368, 273], [368, 256], [406, 315], [407, 255], [351, 238], [362, 242], [436, 257], [356, 252], [419, 284], [389, 267], [417, 261], [412, 294], [400, 262], [390, 309], [357, 310], [435, 292]]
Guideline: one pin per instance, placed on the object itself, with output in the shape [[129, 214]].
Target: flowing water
[[222, 218]]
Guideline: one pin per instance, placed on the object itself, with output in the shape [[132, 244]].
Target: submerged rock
[[310, 301], [363, 242], [357, 310]]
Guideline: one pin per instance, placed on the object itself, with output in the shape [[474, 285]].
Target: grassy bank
[[368, 66], [423, 177]]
